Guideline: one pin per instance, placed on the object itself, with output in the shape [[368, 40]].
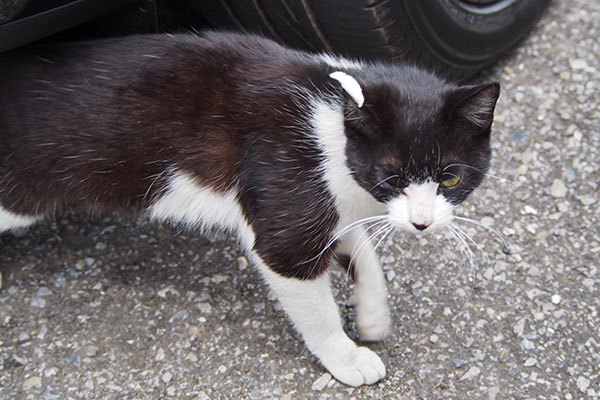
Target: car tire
[[455, 38]]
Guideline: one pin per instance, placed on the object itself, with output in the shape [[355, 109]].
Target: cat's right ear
[[350, 86], [475, 104]]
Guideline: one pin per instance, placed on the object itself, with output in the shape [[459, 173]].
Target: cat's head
[[417, 143]]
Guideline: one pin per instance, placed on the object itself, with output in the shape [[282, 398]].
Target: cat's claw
[[357, 366]]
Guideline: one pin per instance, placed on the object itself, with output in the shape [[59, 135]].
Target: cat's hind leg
[[373, 319], [311, 307], [10, 220]]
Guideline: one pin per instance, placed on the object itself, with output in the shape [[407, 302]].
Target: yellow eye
[[452, 181]]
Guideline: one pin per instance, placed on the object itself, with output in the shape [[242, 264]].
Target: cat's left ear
[[350, 85], [475, 104]]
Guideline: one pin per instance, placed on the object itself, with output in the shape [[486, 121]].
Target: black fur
[[96, 125]]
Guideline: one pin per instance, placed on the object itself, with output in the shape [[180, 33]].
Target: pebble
[[35, 382], [555, 299], [43, 291], [37, 302], [519, 327], [530, 362], [321, 382], [493, 392], [91, 350], [166, 377], [558, 188], [583, 383], [242, 263], [471, 373], [167, 290]]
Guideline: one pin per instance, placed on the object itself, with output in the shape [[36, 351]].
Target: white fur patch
[[421, 205], [9, 220], [311, 307], [194, 205], [350, 85], [352, 201]]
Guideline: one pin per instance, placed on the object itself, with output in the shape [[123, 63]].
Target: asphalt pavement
[[111, 307]]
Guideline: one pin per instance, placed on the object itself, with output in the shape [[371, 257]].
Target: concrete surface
[[113, 308]]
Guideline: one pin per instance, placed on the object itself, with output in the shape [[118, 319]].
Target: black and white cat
[[295, 153]]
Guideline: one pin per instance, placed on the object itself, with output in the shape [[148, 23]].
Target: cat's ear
[[475, 104], [350, 85]]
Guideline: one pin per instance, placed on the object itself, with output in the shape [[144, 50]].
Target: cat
[[295, 153]]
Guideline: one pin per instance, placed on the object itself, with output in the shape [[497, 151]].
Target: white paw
[[355, 366], [373, 324]]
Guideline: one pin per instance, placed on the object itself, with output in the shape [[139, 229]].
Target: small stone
[[577, 64], [530, 210], [202, 396], [520, 134], [205, 308], [489, 273], [493, 392], [434, 338], [587, 200], [192, 357], [530, 362], [555, 299], [519, 327], [160, 355], [321, 382], [35, 382], [588, 282], [171, 391], [167, 290], [43, 291], [219, 278], [166, 377], [89, 261], [37, 302], [583, 383], [242, 263], [558, 188], [179, 315], [91, 350], [471, 373], [390, 275], [569, 174]]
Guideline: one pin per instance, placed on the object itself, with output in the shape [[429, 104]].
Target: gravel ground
[[115, 308]]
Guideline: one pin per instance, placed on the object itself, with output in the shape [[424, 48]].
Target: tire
[[455, 38]]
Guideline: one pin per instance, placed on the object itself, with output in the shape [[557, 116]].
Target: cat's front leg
[[373, 318], [311, 307]]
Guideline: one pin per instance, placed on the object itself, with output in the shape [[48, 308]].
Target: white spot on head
[[420, 208], [350, 85], [340, 62]]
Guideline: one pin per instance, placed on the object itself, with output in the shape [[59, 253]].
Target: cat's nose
[[420, 227]]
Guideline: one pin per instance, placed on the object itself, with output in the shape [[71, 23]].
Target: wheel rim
[[484, 7]]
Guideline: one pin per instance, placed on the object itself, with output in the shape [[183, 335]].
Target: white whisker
[[376, 219], [465, 249], [385, 229], [500, 236]]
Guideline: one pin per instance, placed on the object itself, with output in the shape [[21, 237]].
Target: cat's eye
[[451, 181]]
